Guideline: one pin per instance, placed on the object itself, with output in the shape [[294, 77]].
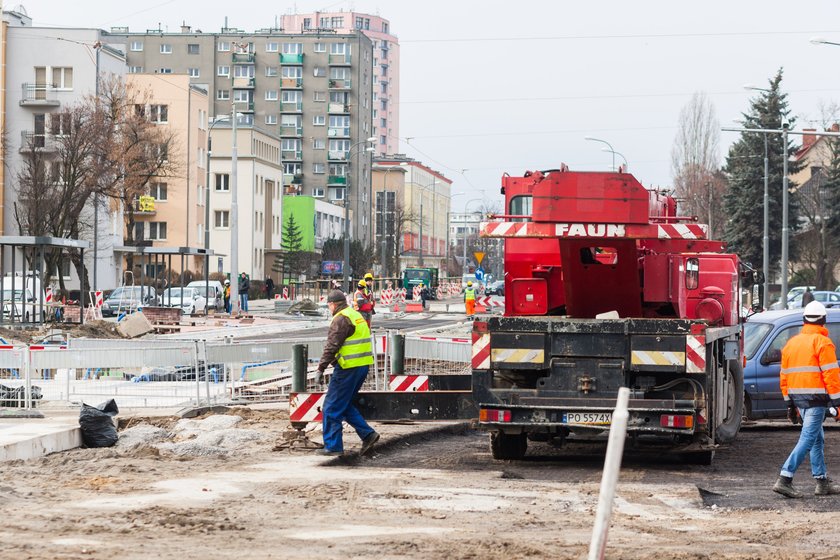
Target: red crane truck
[[607, 287]]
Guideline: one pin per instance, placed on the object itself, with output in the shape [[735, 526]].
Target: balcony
[[340, 59], [144, 206], [244, 107], [291, 83], [39, 95], [244, 83], [293, 190], [243, 58], [290, 179], [339, 132], [336, 180], [29, 140], [338, 108], [340, 155], [291, 130], [291, 106], [291, 59], [291, 155], [339, 84]]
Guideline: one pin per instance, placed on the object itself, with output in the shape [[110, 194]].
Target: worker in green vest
[[350, 352], [469, 299]]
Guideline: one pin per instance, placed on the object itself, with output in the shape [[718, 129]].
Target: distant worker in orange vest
[[469, 299], [369, 293], [362, 303]]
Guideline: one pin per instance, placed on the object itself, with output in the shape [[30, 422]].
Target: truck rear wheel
[[726, 432], [508, 446]]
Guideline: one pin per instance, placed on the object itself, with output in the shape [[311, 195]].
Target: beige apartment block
[[175, 216]]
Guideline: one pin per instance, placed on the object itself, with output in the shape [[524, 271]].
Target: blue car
[[765, 334]]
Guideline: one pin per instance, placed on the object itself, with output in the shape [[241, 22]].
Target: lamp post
[[384, 230], [448, 227], [345, 267], [821, 41], [604, 142], [464, 264], [431, 188], [765, 240], [614, 153]]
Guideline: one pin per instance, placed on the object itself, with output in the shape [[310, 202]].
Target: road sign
[[479, 256], [479, 273]]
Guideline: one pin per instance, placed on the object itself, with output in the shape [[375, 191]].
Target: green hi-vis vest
[[356, 350], [469, 293]]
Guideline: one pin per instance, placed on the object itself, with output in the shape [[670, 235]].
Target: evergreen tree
[[745, 171], [292, 260]]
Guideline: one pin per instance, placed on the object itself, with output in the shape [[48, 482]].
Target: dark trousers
[[338, 406]]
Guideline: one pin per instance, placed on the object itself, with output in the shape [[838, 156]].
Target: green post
[[300, 358], [397, 343]]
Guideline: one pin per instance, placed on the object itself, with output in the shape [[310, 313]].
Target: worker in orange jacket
[[362, 303], [810, 383]]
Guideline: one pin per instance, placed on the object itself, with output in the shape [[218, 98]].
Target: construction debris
[[134, 325]]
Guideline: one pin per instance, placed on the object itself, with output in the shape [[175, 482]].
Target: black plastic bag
[[98, 429]]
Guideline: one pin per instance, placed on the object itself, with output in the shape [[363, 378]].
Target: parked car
[[495, 288], [765, 334], [829, 299], [188, 300], [126, 299], [22, 299], [793, 293], [216, 292]]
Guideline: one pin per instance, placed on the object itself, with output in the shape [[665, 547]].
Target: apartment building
[[173, 215], [313, 91], [46, 72], [386, 64], [259, 194]]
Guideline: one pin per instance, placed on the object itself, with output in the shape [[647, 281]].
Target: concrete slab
[[31, 438]]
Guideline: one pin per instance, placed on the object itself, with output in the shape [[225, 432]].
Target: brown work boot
[[784, 486], [826, 486]]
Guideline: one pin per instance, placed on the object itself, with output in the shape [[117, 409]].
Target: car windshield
[[15, 295], [176, 292], [125, 293], [416, 274], [203, 292], [754, 334]]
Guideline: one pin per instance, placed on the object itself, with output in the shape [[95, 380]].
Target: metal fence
[[154, 373]]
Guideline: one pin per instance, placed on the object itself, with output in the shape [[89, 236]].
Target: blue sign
[[332, 268], [479, 274]]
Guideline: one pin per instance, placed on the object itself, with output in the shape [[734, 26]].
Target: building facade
[[386, 65], [173, 215], [259, 194], [314, 91]]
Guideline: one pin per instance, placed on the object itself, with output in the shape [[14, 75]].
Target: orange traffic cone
[[396, 308]]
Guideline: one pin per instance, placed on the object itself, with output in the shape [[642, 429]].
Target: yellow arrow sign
[[479, 256]]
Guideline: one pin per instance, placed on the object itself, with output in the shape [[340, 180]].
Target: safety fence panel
[[181, 355], [11, 357], [438, 349]]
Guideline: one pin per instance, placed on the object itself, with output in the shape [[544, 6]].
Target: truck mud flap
[[420, 405]]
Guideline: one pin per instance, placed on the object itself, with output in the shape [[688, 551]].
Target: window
[[307, 23], [158, 191], [224, 46], [338, 97], [271, 95], [164, 70], [360, 22], [243, 71], [242, 96], [271, 119], [135, 69], [319, 96], [222, 182], [221, 218], [383, 139], [337, 194], [162, 152], [336, 22], [339, 73], [271, 71], [338, 48], [384, 87], [319, 72], [339, 146], [521, 206], [339, 121], [223, 71], [319, 120], [223, 94], [318, 192], [290, 145], [319, 144], [60, 123], [318, 168], [291, 168], [272, 47], [338, 169], [166, 48], [383, 123], [136, 46], [193, 48], [159, 113], [292, 48], [62, 78], [157, 230], [291, 96], [320, 47], [193, 72]]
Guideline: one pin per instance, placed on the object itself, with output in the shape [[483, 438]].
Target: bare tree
[[402, 218], [695, 163]]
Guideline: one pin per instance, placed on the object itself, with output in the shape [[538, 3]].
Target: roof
[[833, 315]]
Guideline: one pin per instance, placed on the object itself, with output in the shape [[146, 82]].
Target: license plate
[[602, 418]]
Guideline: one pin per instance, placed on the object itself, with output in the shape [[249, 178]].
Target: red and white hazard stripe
[[488, 301], [285, 292], [695, 353], [408, 383], [480, 350], [48, 295], [306, 407], [98, 299], [682, 231], [464, 340]]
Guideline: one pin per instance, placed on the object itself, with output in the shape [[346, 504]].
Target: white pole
[[612, 464]]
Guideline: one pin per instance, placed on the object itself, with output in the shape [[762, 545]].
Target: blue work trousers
[[811, 441], [243, 302], [338, 406]]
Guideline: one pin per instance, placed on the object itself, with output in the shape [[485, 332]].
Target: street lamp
[[464, 264], [446, 265], [614, 153], [384, 230], [431, 188], [604, 142], [822, 41], [346, 265]]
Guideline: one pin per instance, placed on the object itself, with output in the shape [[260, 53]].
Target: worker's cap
[[813, 312], [469, 282], [227, 282], [362, 284], [336, 296], [368, 275]]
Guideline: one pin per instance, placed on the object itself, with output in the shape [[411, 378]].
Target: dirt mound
[[93, 329]]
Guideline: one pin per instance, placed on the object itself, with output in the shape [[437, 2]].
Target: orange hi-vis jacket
[[810, 374]]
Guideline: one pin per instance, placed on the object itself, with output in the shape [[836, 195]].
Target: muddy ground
[[214, 488]]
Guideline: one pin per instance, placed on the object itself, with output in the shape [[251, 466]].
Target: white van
[[216, 297], [22, 302]]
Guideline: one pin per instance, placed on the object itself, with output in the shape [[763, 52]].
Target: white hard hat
[[813, 312]]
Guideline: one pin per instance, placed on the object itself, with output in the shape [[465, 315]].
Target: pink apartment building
[[386, 64]]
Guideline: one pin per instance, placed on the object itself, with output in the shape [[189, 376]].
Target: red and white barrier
[[401, 293], [416, 292], [306, 407], [285, 292], [488, 301], [48, 295], [408, 383], [447, 339], [98, 299]]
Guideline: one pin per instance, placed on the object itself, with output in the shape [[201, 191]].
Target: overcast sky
[[496, 86]]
